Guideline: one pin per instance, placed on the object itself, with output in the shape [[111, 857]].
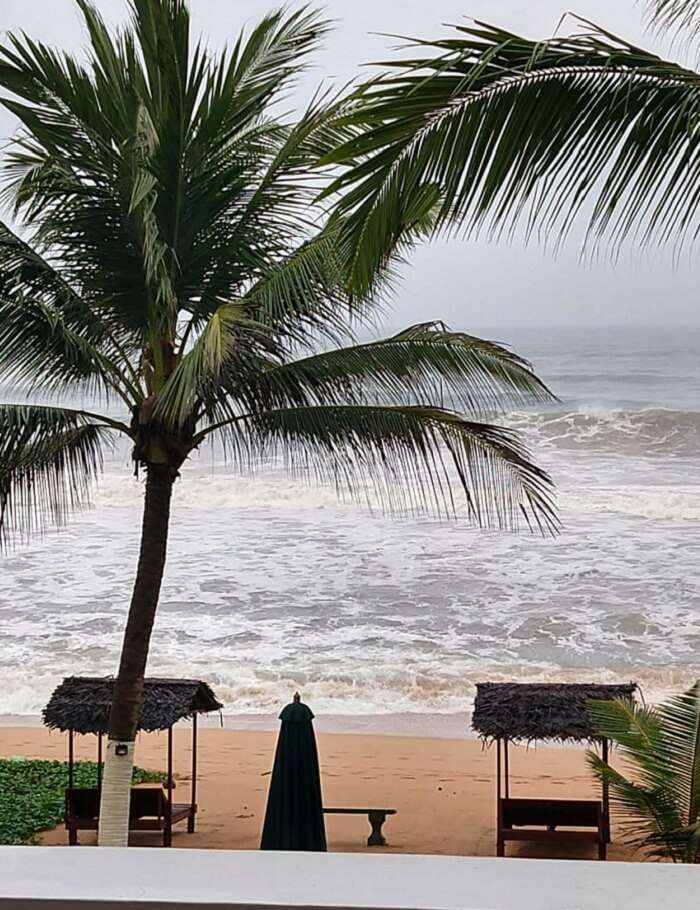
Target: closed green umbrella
[[294, 816]]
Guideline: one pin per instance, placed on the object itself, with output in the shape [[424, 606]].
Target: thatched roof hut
[[534, 711], [82, 703]]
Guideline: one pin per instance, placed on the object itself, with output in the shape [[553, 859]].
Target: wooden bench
[[543, 820], [376, 817], [150, 810]]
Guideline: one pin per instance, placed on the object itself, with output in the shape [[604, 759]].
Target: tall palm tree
[[499, 133], [173, 266], [657, 793]]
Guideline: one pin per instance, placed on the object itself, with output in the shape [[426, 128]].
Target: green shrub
[[33, 794]]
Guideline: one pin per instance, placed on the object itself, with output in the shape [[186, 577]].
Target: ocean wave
[[659, 503], [281, 495], [199, 490], [650, 431], [367, 691]]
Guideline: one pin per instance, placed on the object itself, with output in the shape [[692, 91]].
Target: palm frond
[[50, 337], [634, 726], [681, 15], [71, 173], [303, 294], [647, 820], [250, 203], [680, 717], [656, 794], [49, 461], [261, 65], [516, 133], [27, 275], [415, 458], [38, 352], [639, 732], [423, 364]]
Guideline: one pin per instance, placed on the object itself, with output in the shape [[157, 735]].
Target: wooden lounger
[[376, 817], [543, 820], [150, 810]]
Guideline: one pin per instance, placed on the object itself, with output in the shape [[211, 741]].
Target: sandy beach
[[443, 789]]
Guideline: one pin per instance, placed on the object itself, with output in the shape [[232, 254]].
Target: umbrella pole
[[500, 844]]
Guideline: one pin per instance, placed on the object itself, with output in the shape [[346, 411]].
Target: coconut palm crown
[[173, 264], [502, 134]]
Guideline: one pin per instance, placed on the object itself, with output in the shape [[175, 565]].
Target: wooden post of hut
[[193, 783], [507, 712], [81, 705]]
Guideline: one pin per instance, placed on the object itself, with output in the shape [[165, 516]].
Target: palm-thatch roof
[[532, 711], [82, 703]]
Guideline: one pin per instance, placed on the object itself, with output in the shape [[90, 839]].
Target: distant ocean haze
[[273, 585]]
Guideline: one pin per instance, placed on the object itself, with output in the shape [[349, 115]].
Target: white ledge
[[86, 878]]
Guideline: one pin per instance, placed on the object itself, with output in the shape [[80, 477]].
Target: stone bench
[[376, 817]]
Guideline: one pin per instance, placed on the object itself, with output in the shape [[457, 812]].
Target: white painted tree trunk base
[[113, 828]]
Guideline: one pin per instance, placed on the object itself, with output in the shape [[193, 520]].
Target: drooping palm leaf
[[513, 132], [49, 460], [45, 321], [407, 458], [683, 15], [38, 352]]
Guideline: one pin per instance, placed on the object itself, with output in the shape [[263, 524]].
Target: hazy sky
[[464, 283]]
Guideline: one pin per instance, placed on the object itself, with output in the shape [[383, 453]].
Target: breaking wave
[[649, 432]]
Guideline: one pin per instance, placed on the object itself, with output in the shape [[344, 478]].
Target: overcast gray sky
[[467, 284]]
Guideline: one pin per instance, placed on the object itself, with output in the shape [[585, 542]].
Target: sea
[[274, 585]]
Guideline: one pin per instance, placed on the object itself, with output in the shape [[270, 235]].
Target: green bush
[[33, 794]]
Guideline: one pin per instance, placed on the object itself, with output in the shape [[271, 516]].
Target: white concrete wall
[[86, 878]]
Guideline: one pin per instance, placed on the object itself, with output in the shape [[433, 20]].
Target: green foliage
[[513, 134], [33, 794], [657, 794], [175, 259]]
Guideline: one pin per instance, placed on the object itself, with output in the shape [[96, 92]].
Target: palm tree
[[502, 134], [174, 268], [658, 795]]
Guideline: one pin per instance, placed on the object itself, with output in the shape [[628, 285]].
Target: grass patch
[[33, 794]]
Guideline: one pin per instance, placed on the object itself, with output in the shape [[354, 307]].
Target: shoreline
[[439, 727], [421, 726]]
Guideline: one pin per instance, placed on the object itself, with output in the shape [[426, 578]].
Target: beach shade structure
[[81, 705], [294, 815], [532, 712]]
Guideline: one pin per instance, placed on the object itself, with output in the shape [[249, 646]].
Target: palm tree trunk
[[128, 689]]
